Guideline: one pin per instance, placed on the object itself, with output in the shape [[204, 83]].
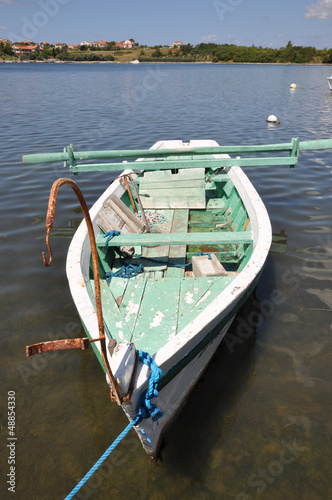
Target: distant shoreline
[[203, 53], [10, 61]]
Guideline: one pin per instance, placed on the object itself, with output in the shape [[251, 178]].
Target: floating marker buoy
[[272, 119], [293, 86]]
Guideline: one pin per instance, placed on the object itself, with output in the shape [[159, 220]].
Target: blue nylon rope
[[110, 235], [126, 271], [101, 460], [146, 410], [208, 254], [130, 270]]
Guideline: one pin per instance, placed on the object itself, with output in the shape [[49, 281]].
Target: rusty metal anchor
[[81, 343]]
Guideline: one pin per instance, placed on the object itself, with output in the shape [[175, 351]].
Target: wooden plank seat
[[116, 216], [165, 189], [155, 239]]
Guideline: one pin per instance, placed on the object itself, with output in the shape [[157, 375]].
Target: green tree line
[[209, 52], [241, 54]]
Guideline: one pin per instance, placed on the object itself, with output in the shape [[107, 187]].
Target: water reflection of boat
[[230, 375], [279, 242]]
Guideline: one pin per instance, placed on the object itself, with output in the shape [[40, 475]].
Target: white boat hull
[[172, 397]]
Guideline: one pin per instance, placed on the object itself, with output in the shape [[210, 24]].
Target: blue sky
[[270, 23]]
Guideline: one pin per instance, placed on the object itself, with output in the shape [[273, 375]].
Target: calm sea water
[[258, 424]]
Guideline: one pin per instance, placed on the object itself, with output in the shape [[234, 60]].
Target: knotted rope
[[126, 271], [146, 410], [109, 236]]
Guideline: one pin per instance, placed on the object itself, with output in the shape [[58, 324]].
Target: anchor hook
[[94, 255], [49, 249]]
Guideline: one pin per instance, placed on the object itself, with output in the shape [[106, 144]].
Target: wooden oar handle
[[316, 144]]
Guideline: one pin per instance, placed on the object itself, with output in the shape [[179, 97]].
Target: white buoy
[[293, 86], [272, 119]]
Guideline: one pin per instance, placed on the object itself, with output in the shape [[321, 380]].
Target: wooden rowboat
[[187, 236]]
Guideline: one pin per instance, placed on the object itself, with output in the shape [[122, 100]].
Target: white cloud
[[209, 39], [4, 3], [322, 9]]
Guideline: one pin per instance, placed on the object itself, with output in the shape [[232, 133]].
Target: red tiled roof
[[25, 47]]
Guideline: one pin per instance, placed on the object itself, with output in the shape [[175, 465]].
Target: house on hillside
[[20, 49], [6, 40], [86, 44], [60, 45], [74, 46], [43, 45], [101, 44], [125, 44], [177, 44]]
